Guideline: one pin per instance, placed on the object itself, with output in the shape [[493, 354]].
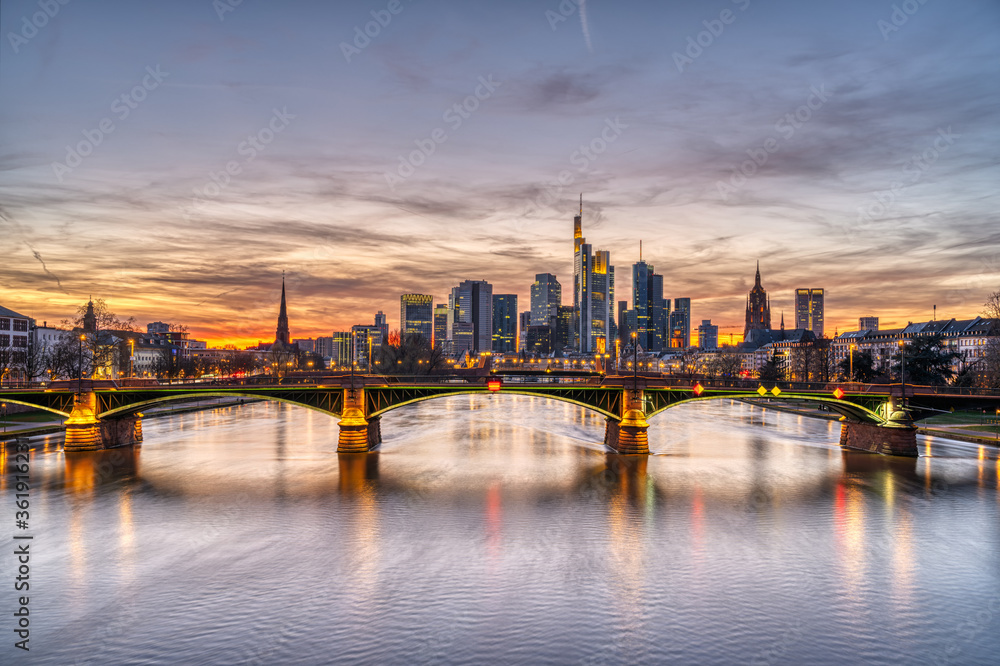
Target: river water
[[496, 530]]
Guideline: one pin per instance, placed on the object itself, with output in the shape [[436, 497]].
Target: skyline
[[126, 224]]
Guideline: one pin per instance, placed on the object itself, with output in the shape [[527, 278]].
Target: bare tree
[[281, 360], [724, 364], [991, 308], [33, 362]]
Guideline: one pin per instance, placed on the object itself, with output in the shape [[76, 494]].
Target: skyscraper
[[473, 300], [758, 308], [680, 323], [546, 297], [505, 323], [593, 292], [809, 310], [416, 315], [563, 334], [524, 321], [602, 300], [440, 326], [624, 327], [382, 324], [708, 335], [649, 306]]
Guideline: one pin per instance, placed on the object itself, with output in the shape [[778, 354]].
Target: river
[[496, 530]]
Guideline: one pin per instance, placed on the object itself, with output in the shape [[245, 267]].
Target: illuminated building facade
[[416, 315], [809, 310], [593, 292], [505, 323], [546, 297], [649, 306], [680, 323]]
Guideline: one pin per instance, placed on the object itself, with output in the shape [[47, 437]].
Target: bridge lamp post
[[635, 360], [902, 368], [851, 372], [79, 386]]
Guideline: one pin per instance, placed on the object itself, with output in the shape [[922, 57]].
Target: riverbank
[[29, 426], [960, 432]]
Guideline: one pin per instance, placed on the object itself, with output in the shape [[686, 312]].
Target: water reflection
[[86, 471], [498, 530], [358, 472]]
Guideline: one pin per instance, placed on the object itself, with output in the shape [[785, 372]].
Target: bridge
[[874, 417]]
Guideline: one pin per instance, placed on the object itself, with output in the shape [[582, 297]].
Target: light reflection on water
[[496, 529]]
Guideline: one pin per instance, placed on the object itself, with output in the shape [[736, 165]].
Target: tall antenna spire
[[581, 204], [640, 250]]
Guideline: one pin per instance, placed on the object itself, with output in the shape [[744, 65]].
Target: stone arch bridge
[[877, 418]]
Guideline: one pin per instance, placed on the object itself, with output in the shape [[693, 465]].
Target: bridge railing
[[650, 380]]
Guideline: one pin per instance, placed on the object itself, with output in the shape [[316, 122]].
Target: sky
[[174, 158]]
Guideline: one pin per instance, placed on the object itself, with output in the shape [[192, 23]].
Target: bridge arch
[[607, 409], [43, 407], [850, 410], [131, 408]]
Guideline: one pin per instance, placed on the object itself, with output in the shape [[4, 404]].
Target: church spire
[[281, 334], [757, 279]]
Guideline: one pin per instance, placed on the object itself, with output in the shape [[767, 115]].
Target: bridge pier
[[628, 435], [86, 432], [898, 437], [358, 434], [83, 430]]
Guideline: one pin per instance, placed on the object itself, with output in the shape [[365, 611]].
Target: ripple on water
[[497, 530]]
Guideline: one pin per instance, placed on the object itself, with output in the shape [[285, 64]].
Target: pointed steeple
[[782, 320], [281, 334], [757, 279]]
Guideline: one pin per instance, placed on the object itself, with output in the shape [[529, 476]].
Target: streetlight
[[851, 378], [902, 367], [79, 388], [635, 360]]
